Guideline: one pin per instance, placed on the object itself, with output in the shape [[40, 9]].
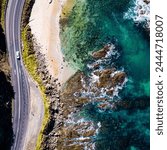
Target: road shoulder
[[36, 113]]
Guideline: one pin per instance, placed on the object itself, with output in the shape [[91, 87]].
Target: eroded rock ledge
[[67, 128]]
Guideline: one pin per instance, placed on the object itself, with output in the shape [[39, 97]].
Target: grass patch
[[31, 65], [3, 4]]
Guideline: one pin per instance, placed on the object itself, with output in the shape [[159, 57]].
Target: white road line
[[18, 77]]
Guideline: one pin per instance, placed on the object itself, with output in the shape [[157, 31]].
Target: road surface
[[19, 78]]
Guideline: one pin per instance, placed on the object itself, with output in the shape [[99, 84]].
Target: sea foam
[[139, 12]]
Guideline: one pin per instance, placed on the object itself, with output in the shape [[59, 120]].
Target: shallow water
[[91, 25]]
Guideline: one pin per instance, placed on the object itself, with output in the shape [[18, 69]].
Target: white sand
[[44, 22]]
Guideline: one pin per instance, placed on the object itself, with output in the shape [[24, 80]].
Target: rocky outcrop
[[68, 129], [146, 1], [140, 13], [59, 134], [107, 79], [103, 52], [61, 105]]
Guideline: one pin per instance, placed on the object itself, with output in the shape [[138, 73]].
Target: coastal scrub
[[31, 64]]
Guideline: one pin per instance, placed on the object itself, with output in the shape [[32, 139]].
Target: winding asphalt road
[[19, 78]]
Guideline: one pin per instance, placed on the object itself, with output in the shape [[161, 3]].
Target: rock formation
[[68, 129]]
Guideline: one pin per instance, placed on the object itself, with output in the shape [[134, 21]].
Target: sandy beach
[[44, 23]]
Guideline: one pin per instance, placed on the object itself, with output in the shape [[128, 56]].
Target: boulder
[[102, 52], [99, 54], [102, 106], [110, 92], [118, 78], [146, 1], [105, 78]]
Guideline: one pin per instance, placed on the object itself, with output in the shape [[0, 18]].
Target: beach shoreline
[[45, 27]]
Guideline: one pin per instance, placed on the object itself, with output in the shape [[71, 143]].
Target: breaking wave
[[139, 12]]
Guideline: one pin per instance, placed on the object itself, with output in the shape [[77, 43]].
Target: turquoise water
[[91, 25]]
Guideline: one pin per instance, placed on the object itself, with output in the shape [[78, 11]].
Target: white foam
[[119, 87], [139, 12]]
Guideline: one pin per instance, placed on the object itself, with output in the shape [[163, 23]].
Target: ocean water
[[91, 25]]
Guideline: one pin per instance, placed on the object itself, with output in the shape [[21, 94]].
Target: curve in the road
[[19, 78]]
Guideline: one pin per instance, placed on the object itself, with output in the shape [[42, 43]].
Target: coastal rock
[[110, 92], [95, 66], [106, 79], [71, 130], [118, 78], [103, 52], [99, 54], [146, 1], [82, 100], [101, 99], [106, 73], [102, 106], [89, 133], [74, 84], [141, 14]]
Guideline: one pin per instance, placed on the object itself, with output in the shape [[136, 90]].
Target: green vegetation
[[2, 12], [31, 64]]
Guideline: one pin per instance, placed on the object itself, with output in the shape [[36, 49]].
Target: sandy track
[[35, 117]]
